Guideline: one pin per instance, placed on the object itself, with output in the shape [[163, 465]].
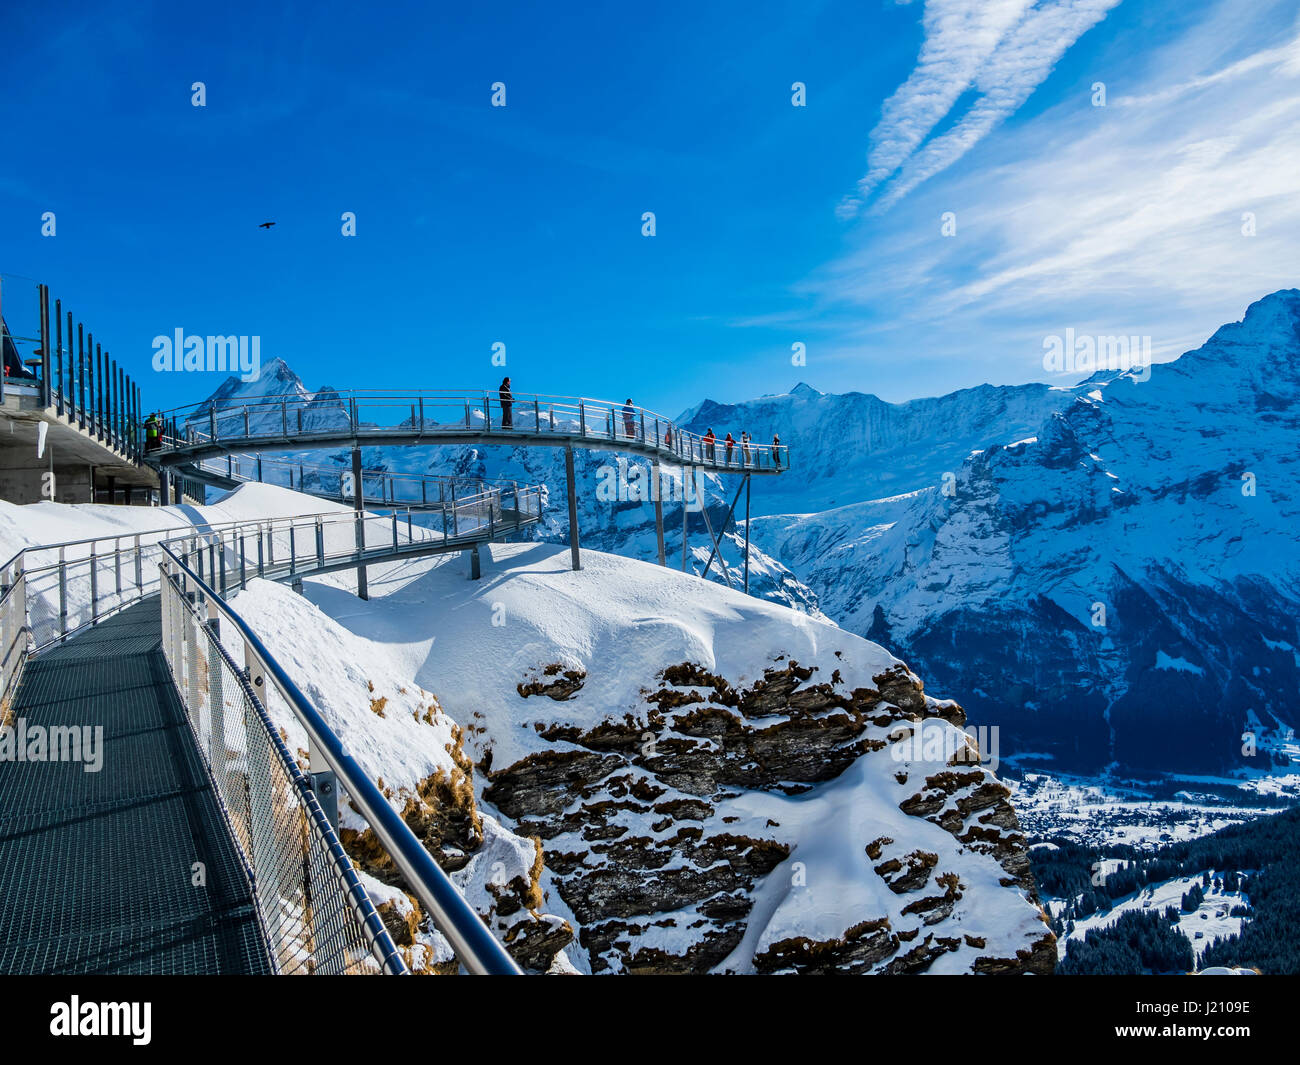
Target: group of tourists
[[744, 449], [745, 446]]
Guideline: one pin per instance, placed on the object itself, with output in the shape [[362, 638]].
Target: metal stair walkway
[[98, 869]]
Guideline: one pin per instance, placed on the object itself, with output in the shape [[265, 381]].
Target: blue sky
[[776, 225]]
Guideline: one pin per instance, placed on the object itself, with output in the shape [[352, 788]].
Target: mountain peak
[[806, 391]]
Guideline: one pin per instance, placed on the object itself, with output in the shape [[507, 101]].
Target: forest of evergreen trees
[[1138, 942], [1265, 851]]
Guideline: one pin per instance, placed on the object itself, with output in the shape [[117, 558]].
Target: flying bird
[[266, 225]]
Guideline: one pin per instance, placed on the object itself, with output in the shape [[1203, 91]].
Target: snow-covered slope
[[1122, 583], [716, 782]]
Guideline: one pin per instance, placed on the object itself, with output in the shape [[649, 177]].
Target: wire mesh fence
[[15, 633], [314, 911]]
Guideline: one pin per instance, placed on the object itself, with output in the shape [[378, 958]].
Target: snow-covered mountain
[[855, 446], [1118, 584], [710, 782], [1107, 572]]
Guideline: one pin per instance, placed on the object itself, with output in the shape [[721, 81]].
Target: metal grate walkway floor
[[97, 868]]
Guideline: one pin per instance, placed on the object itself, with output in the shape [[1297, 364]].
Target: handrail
[[601, 423], [125, 560], [234, 462], [475, 946], [473, 942]]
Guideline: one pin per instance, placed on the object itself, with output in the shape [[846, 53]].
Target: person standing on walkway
[[744, 448], [710, 451], [151, 439], [729, 443], [507, 405], [776, 451], [629, 417]]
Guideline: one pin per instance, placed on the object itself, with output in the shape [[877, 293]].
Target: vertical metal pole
[[63, 594], [58, 353], [363, 590], [746, 534], [45, 345], [81, 376], [99, 389], [114, 407], [686, 476], [108, 399], [70, 403], [573, 507], [659, 511], [90, 382]]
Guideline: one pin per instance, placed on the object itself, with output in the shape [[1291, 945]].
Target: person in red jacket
[[710, 452], [730, 444]]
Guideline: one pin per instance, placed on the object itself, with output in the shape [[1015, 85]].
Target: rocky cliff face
[[634, 823], [628, 769]]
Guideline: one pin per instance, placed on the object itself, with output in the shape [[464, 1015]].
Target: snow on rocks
[[712, 782]]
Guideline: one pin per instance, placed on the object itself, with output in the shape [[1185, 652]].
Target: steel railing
[[241, 424], [194, 613], [320, 543], [71, 585], [380, 488], [314, 912], [15, 633], [312, 907]]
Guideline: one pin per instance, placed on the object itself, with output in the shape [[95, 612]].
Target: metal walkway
[[97, 868], [357, 418]]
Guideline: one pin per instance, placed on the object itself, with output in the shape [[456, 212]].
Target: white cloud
[[1119, 219], [1003, 49], [960, 35]]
